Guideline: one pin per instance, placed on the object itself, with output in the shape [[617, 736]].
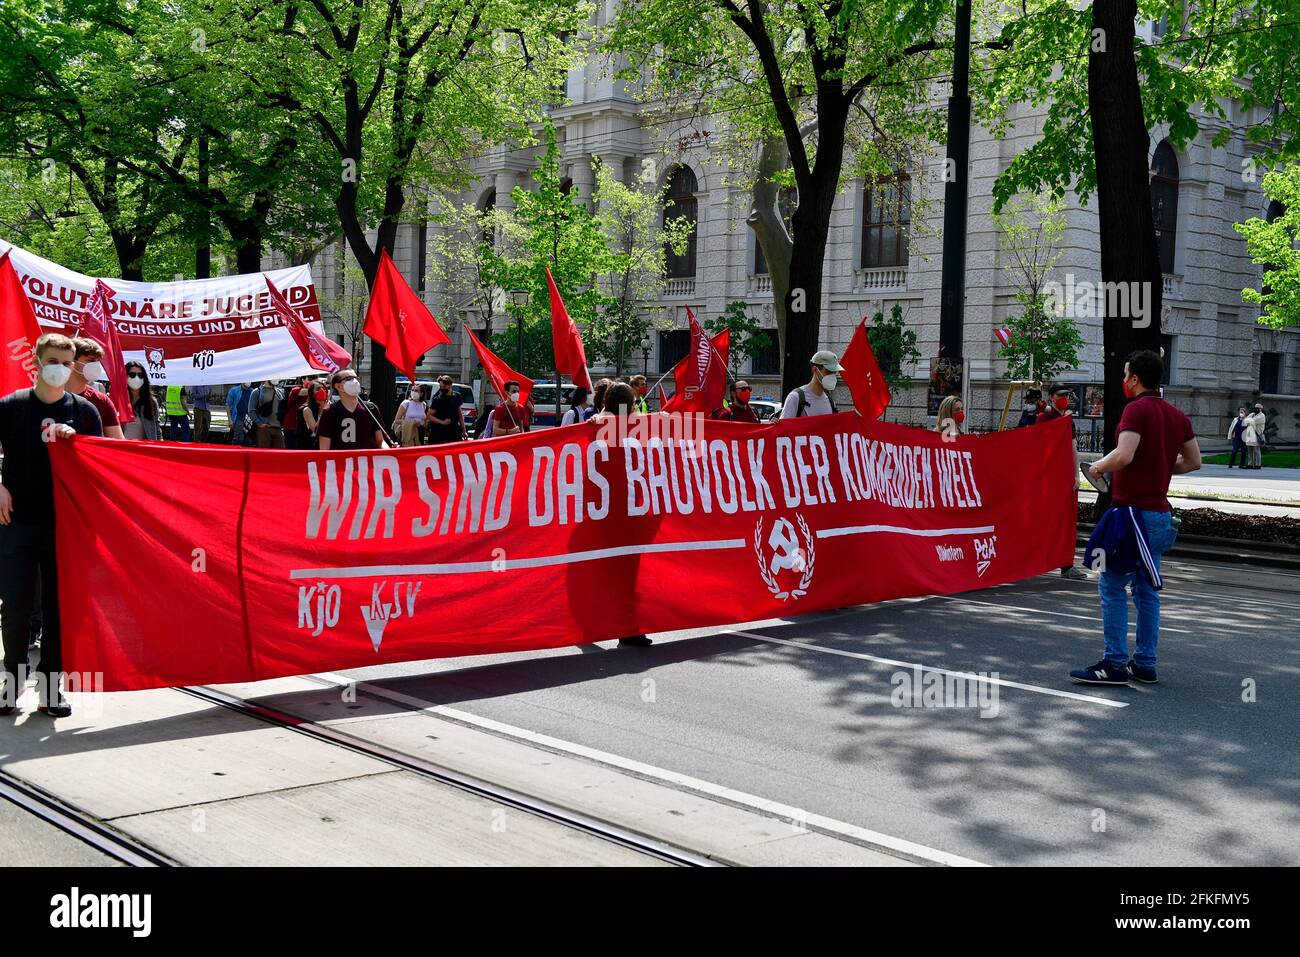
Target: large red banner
[[186, 564]]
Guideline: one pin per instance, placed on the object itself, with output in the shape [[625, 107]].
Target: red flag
[[498, 373], [319, 352], [862, 375], [97, 324], [19, 331], [398, 319], [570, 357], [701, 377]]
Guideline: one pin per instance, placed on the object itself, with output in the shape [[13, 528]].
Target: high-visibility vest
[[174, 405]]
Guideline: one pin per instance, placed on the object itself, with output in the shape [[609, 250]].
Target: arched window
[[566, 185], [1164, 203], [681, 204], [787, 202], [886, 220]]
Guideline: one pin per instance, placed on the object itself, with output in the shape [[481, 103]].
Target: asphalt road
[[27, 841], [1184, 772]]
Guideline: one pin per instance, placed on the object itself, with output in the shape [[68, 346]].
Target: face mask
[[245, 385], [320, 395], [514, 397], [93, 371], [829, 381], [959, 416], [1030, 406], [135, 381], [55, 375], [1128, 393], [642, 390], [743, 395], [352, 387], [1062, 403]]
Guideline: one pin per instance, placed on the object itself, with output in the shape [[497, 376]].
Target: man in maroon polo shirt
[[88, 367], [1153, 441]]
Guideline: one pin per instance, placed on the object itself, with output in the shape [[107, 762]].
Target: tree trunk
[[769, 227], [1126, 229]]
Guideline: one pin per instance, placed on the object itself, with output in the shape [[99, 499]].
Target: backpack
[[803, 402]]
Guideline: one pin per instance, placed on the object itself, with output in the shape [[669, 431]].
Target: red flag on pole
[[498, 373], [398, 319], [97, 324], [319, 352], [570, 357], [701, 376], [19, 331], [862, 375]]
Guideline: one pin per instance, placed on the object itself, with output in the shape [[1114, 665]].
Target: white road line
[[1060, 614], [943, 671], [900, 530], [541, 561], [672, 778]]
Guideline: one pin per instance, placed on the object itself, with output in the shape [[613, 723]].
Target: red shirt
[[738, 413], [103, 405], [507, 416], [1164, 429]]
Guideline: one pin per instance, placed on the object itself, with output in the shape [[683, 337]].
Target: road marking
[[1075, 696], [900, 530], [681, 781], [1059, 614], [541, 561]]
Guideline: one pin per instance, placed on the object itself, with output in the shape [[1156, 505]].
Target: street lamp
[[519, 300], [645, 356]]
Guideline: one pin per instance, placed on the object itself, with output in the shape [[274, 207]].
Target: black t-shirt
[[26, 473], [349, 430], [445, 407]]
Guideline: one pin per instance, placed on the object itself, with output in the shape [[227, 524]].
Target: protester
[[512, 416], [294, 400], [178, 414], [738, 409], [144, 404], [89, 368], [579, 410], [483, 422], [29, 420], [444, 414], [1236, 435], [951, 417], [1154, 441], [1030, 408], [309, 417], [1256, 423], [237, 399], [598, 396], [351, 422], [815, 397], [1059, 408], [265, 409], [201, 394], [410, 417], [642, 389]]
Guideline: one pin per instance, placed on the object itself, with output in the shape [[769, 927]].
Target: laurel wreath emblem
[[810, 560]]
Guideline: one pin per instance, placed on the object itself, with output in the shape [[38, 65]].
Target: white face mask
[[55, 375], [352, 387], [93, 371], [135, 382], [829, 381]]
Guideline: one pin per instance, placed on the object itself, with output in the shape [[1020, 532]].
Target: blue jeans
[[178, 423], [1238, 449], [1114, 588]]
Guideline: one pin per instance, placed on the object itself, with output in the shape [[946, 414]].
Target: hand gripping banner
[[194, 565]]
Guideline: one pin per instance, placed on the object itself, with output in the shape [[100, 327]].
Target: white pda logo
[[783, 554]]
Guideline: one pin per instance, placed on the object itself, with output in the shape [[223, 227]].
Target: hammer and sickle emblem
[[784, 542]]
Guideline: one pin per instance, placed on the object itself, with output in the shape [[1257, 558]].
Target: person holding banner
[[642, 389], [146, 426], [349, 422], [738, 408], [89, 368], [29, 420], [951, 417]]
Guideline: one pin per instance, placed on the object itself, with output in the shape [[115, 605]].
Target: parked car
[[544, 416], [766, 409]]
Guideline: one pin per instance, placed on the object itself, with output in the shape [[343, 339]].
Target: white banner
[[194, 332]]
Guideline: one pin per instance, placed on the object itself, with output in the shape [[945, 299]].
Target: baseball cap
[[826, 359]]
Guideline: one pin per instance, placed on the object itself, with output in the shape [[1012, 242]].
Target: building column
[[584, 179], [506, 181]]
